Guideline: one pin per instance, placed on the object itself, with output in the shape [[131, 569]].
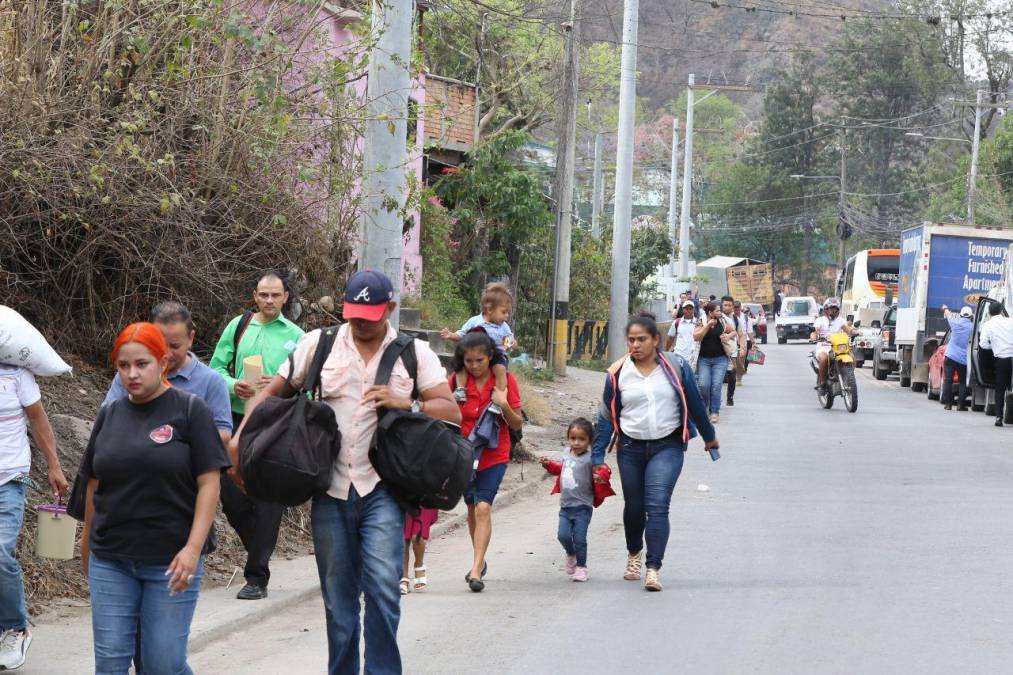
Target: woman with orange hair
[[153, 465]]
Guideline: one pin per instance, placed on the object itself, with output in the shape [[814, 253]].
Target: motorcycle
[[840, 373]]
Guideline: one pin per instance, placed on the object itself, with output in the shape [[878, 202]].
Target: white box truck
[[952, 265]]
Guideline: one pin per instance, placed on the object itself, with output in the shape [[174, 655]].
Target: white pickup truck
[[795, 322]]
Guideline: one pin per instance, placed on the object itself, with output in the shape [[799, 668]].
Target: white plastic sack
[[22, 345]]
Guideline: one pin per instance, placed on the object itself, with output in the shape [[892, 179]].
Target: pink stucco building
[[441, 126]]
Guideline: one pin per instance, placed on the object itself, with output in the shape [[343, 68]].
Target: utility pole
[[844, 177], [972, 182], [385, 155], [598, 187], [623, 213], [807, 242], [687, 184], [565, 159], [673, 198]]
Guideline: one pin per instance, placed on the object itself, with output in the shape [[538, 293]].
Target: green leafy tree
[[649, 248], [876, 80]]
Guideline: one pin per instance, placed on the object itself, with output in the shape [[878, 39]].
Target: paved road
[[828, 543]]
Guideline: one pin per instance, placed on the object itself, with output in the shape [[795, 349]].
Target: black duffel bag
[[423, 462], [289, 445]]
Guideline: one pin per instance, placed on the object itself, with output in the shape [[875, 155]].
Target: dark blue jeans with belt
[[648, 471]]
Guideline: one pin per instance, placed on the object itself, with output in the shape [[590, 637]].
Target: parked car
[[863, 344], [795, 322], [884, 352], [759, 320], [935, 385]]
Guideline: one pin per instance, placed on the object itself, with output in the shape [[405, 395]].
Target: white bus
[[865, 279]]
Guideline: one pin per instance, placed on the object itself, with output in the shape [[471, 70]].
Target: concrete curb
[[219, 614]]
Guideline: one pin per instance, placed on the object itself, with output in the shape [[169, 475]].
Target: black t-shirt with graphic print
[[147, 458]]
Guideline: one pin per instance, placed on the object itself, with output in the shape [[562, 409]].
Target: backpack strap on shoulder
[[402, 347], [311, 385]]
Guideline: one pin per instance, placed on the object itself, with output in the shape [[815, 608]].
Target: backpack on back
[[424, 462], [289, 445]]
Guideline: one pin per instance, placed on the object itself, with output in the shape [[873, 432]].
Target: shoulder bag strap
[[244, 323], [311, 385]]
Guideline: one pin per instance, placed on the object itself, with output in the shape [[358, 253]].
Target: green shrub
[[442, 304]]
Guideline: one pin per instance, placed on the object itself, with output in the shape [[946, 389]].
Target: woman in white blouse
[[650, 409]]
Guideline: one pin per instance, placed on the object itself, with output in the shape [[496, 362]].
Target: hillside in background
[[726, 43]]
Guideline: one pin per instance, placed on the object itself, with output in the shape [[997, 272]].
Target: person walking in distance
[[153, 464], [955, 360], [650, 409], [20, 405], [269, 337], [713, 362], [680, 335], [490, 431], [734, 371], [997, 335], [358, 527]]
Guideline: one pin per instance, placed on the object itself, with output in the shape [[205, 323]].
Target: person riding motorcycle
[[830, 323]]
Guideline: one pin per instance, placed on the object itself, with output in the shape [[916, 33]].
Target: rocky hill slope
[[719, 41]]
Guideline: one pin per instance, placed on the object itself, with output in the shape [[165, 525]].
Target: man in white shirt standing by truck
[[997, 335]]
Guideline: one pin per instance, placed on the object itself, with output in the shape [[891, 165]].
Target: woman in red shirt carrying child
[[490, 432]]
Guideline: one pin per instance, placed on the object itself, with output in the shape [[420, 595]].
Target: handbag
[[423, 462], [289, 445], [756, 356], [729, 341]]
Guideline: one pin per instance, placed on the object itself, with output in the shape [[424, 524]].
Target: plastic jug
[[56, 533]]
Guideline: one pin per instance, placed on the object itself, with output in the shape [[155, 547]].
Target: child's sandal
[[405, 585], [421, 581]]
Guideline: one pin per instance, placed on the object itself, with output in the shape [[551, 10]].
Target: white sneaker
[[13, 648]]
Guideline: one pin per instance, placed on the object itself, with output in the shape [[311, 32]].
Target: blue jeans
[[13, 613], [710, 375], [359, 546], [648, 471], [573, 524], [127, 595]]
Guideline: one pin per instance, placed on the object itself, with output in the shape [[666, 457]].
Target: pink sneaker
[[571, 564], [580, 574]]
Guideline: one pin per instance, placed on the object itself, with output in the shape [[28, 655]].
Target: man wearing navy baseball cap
[[358, 528], [368, 295]]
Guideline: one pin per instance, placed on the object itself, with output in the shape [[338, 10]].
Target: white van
[[795, 322]]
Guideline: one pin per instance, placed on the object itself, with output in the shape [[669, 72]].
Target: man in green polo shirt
[[273, 337]]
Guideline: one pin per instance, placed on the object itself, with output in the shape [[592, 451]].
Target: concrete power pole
[[687, 185], [844, 179], [565, 160], [623, 213], [673, 197], [598, 187], [972, 182], [385, 156]]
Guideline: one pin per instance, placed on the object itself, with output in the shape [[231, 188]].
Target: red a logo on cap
[[362, 295]]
